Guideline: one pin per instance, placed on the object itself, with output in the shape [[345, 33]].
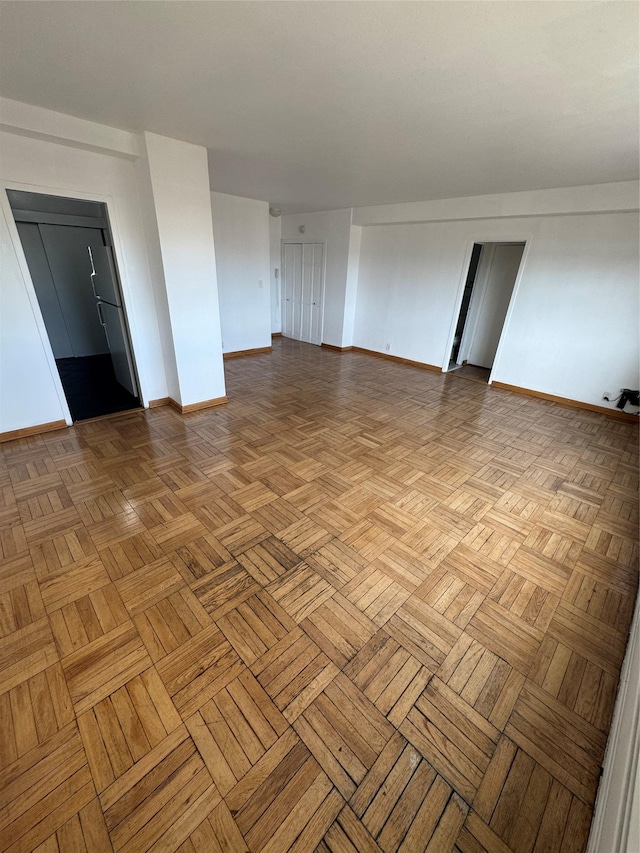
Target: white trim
[[616, 817]]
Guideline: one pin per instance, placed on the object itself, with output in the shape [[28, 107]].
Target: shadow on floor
[[470, 371], [91, 388]]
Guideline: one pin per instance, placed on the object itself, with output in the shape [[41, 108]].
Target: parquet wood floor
[[363, 607]]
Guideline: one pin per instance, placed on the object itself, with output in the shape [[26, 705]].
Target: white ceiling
[[319, 105]]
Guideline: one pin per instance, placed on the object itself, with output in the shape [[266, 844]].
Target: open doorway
[[69, 252], [487, 293]]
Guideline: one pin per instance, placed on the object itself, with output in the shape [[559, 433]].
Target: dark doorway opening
[[69, 252], [466, 299], [488, 289]]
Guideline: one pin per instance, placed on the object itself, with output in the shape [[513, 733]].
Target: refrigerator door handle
[[102, 323], [104, 276], [93, 273]]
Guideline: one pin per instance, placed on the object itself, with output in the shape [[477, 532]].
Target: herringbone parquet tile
[[361, 608]]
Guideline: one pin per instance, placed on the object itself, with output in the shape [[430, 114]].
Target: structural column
[[178, 211]]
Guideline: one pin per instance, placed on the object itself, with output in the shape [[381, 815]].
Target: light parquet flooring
[[363, 607]]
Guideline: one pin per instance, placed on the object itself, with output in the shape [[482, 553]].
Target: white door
[[302, 281], [496, 277]]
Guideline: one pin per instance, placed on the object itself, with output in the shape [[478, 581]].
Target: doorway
[[69, 252], [487, 293], [303, 286]]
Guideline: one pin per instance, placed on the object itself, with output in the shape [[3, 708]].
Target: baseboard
[[567, 401], [162, 401], [25, 432], [335, 348], [242, 352], [421, 364], [196, 407], [276, 335]]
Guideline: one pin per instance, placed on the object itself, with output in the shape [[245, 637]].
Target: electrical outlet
[[388, 347], [608, 395]]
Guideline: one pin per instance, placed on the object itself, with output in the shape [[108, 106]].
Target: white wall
[[154, 257], [275, 233], [351, 290], [30, 393], [573, 328], [179, 175], [241, 234], [334, 228]]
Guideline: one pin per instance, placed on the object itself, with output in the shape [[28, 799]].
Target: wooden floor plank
[[345, 732], [197, 669], [39, 796], [339, 628], [104, 665], [294, 672], [234, 729], [25, 653], [349, 611]]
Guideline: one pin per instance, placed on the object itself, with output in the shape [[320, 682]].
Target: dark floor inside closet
[[91, 388]]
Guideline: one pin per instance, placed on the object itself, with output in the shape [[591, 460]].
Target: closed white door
[[303, 281]]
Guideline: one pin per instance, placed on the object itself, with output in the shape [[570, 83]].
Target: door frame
[[322, 286], [118, 253], [518, 237]]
